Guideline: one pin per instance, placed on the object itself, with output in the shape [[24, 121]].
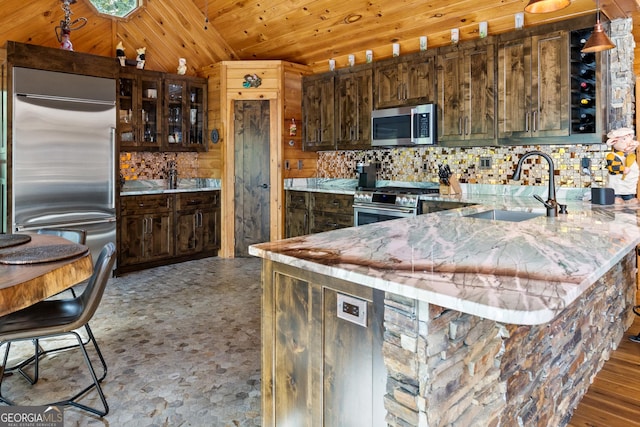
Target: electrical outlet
[[287, 166], [352, 309], [299, 165], [485, 162], [585, 162], [425, 167]]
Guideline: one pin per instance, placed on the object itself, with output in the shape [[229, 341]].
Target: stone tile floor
[[182, 345]]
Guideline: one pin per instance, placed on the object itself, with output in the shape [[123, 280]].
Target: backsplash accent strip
[[420, 164]]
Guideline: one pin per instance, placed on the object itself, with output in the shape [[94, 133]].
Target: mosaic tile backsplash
[[470, 164], [145, 165]]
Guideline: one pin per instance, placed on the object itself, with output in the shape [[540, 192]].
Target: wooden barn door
[[251, 124]]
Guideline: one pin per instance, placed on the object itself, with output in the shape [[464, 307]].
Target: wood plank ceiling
[[303, 31]]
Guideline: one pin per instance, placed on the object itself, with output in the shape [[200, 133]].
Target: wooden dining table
[[50, 265]]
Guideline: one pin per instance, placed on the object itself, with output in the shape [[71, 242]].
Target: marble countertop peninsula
[[160, 186], [513, 272]]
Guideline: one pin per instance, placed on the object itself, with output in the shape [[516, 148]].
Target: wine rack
[[583, 84]]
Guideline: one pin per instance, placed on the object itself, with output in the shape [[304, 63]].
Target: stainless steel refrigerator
[[63, 154]]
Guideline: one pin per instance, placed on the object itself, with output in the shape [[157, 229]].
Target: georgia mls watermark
[[31, 416]]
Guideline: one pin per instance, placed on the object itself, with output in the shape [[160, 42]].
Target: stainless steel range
[[386, 203]]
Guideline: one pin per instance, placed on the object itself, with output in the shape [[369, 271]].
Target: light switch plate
[[352, 309]]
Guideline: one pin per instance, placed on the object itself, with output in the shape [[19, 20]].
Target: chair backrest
[[74, 235], [92, 294]]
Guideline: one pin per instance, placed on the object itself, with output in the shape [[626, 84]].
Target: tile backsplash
[[146, 165], [421, 164]]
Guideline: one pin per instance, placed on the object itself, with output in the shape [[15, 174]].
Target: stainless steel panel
[[63, 161], [63, 152], [55, 84]]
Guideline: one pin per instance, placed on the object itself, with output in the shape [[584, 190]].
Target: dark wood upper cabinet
[[533, 89], [353, 105], [139, 101], [408, 80], [466, 93], [185, 113], [318, 112]]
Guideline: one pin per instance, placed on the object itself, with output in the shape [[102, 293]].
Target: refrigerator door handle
[[112, 177], [66, 224], [65, 99]]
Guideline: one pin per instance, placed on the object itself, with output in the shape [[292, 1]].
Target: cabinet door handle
[[406, 91], [534, 119], [460, 125], [398, 94], [526, 122], [466, 125]]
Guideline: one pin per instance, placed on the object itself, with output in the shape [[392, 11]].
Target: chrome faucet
[[551, 204], [173, 175]]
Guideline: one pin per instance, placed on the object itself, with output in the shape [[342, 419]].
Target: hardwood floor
[[613, 400]]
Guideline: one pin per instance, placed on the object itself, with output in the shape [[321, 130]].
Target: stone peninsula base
[[447, 368]]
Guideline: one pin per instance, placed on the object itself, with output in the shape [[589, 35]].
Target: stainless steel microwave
[[404, 126]]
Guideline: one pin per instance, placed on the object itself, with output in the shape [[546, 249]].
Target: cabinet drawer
[[328, 202], [196, 200], [151, 203], [323, 221], [297, 199]]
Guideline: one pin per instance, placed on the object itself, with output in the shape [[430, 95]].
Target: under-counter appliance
[[404, 126], [62, 170], [386, 203]]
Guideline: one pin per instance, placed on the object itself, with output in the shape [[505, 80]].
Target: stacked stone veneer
[[447, 368]]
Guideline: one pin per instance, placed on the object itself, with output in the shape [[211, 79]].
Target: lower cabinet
[[146, 229], [314, 212], [158, 229], [297, 214], [196, 219], [322, 358]]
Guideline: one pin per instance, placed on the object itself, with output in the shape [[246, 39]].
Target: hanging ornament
[[292, 128]]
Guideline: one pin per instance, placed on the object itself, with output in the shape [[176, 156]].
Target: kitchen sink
[[504, 215]]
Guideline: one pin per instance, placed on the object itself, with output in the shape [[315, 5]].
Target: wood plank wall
[[281, 83]]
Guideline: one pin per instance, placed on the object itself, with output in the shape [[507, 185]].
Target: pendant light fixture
[[546, 6], [598, 40]]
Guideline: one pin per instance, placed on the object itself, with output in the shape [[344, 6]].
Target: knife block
[[451, 189]]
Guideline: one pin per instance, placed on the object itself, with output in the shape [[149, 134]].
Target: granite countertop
[[512, 272], [160, 186]]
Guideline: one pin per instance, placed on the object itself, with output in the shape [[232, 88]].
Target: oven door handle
[[372, 209]]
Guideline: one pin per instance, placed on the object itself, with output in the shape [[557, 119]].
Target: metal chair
[[57, 317]]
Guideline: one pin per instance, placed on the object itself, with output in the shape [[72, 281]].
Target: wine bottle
[[588, 58], [586, 128], [586, 87], [586, 102], [587, 118], [587, 73]]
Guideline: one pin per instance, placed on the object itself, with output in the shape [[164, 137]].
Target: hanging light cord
[[206, 13]]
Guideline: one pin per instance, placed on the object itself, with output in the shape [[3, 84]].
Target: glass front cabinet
[[139, 110], [185, 114], [160, 112]]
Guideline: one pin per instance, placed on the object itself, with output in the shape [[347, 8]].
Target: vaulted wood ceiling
[[303, 31]]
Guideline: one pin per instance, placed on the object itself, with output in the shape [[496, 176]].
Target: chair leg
[[95, 380], [4, 372], [40, 352]]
